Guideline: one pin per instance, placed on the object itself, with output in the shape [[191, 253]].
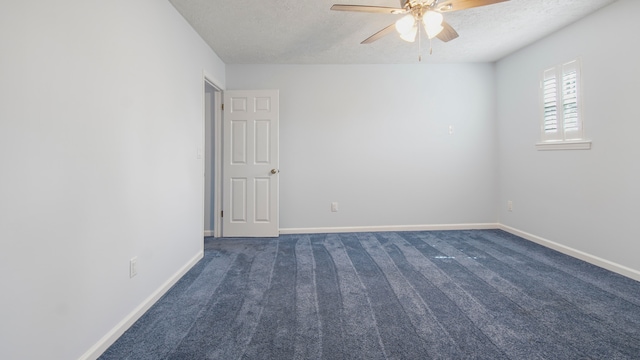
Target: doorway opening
[[212, 164]]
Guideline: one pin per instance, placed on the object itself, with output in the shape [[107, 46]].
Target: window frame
[[567, 105]]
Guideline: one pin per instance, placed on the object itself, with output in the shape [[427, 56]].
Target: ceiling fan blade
[[447, 33], [368, 9], [455, 5], [386, 31]]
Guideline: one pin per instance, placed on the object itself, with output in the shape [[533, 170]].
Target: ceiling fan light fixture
[[406, 27], [429, 12], [410, 36], [432, 21], [433, 31]]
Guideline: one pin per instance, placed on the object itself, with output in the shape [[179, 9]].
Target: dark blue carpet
[[481, 294]]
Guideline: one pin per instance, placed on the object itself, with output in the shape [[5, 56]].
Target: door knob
[[275, 171]]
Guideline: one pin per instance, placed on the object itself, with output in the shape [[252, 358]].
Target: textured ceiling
[[307, 32]]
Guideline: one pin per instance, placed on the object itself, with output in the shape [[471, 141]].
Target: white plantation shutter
[[550, 104], [570, 110], [561, 119]]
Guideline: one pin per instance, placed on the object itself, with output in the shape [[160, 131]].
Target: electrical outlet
[[334, 207], [510, 205], [133, 266], [451, 129]]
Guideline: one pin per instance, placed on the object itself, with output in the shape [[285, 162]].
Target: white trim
[[217, 153], [217, 176], [603, 263], [606, 264], [564, 145], [209, 233], [212, 80], [103, 344], [323, 230]]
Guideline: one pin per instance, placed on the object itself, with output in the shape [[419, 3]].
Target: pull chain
[[419, 43]]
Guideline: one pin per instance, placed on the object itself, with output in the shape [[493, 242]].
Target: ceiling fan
[[427, 12]]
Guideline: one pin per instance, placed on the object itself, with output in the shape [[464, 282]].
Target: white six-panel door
[[250, 164]]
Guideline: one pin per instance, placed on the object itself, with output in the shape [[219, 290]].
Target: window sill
[[564, 145]]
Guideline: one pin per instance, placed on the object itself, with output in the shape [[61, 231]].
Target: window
[[562, 123]]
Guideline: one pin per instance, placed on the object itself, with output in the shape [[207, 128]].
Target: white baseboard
[[603, 263], [103, 344], [209, 233], [348, 229]]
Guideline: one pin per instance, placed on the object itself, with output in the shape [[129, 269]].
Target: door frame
[[216, 148]]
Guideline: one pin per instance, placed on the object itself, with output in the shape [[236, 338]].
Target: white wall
[[100, 120], [584, 200], [375, 139]]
